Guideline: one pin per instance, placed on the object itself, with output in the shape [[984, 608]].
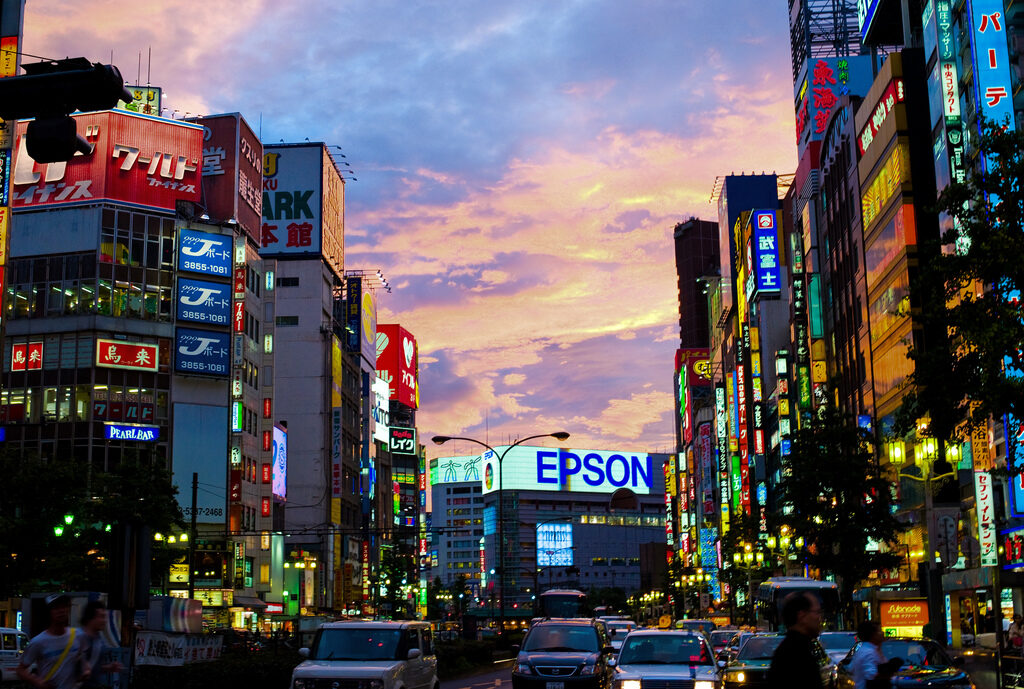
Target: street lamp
[[441, 440]]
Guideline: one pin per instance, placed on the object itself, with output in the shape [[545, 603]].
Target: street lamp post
[[441, 440]]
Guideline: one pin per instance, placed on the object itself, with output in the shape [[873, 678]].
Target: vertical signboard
[[766, 268], [279, 481], [986, 518], [397, 363], [10, 37], [992, 85], [232, 172]]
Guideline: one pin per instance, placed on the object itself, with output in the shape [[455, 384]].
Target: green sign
[[803, 375]]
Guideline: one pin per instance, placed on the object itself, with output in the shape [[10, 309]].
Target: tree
[[968, 365], [839, 500], [55, 531], [435, 607]]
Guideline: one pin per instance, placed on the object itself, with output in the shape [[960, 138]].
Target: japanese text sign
[[817, 95], [292, 180], [232, 171], [986, 518], [27, 357], [893, 94], [204, 252], [397, 363], [993, 89], [204, 302], [201, 351], [145, 161], [766, 252], [126, 355]]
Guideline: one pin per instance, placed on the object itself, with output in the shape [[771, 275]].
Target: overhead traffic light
[[50, 91]]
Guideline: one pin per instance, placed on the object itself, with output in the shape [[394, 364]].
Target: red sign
[[236, 485], [27, 357], [239, 282], [127, 355], [239, 316], [903, 613], [141, 160], [266, 473], [232, 171], [265, 506], [274, 608], [397, 363], [267, 441], [267, 403], [893, 94]]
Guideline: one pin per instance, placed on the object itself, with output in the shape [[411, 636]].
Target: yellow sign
[[5, 228], [8, 56], [664, 622], [819, 372], [783, 406], [178, 574]]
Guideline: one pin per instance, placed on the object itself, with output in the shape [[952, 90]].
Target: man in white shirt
[[56, 651], [868, 663]]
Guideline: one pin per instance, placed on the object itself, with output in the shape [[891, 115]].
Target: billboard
[[131, 431], [569, 470], [202, 352], [137, 160], [200, 446], [204, 302], [145, 100], [292, 181], [554, 545], [397, 363], [131, 356], [204, 252], [402, 441], [360, 320], [232, 176], [381, 410], [764, 258], [279, 482], [817, 93], [27, 357]]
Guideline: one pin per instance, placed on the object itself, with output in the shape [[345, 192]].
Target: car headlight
[[704, 684], [588, 670], [630, 684], [740, 676], [522, 668]]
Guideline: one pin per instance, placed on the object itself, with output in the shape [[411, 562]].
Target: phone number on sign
[[206, 511], [204, 317]]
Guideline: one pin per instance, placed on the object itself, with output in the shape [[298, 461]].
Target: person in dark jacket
[[795, 664]]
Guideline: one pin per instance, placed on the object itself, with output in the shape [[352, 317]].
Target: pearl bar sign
[[127, 431]]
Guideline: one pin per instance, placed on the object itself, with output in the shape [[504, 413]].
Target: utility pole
[[192, 539]]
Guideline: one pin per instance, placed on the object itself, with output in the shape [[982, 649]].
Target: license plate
[[556, 685]]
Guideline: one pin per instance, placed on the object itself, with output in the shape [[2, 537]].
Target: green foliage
[[37, 496], [966, 332], [839, 500], [435, 606]]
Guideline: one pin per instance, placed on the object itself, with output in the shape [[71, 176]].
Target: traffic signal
[[50, 91]]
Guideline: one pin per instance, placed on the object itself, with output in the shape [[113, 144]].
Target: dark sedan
[[925, 664], [563, 654], [749, 670]]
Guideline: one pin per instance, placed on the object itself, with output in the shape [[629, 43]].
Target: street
[[498, 678]]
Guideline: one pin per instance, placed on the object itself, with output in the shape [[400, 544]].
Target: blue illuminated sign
[[202, 351], [203, 252], [554, 545], [709, 560], [204, 302], [766, 252], [865, 15], [279, 488], [992, 88], [127, 431]]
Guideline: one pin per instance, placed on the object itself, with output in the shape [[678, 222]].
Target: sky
[[519, 169]]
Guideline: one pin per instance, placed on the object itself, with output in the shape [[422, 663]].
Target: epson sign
[[569, 470]]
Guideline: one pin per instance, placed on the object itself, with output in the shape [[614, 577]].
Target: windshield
[[721, 638], [563, 605], [356, 644], [619, 629], [698, 625], [759, 648], [564, 639], [665, 649], [838, 642], [916, 653]]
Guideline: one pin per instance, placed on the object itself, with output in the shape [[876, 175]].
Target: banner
[[175, 650]]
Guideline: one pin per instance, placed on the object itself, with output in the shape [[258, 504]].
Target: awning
[[248, 602]]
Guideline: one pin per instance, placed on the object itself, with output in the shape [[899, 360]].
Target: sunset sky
[[520, 165]]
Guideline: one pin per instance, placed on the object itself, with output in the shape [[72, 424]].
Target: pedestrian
[[96, 651], [795, 663], [868, 666], [56, 652], [1015, 634]]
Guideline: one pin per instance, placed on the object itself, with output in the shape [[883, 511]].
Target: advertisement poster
[[204, 252], [204, 302], [292, 177], [202, 351], [175, 650]]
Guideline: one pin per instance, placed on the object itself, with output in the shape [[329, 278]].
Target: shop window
[[82, 403]]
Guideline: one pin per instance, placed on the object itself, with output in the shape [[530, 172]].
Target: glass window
[[64, 400], [119, 302], [356, 644], [82, 403], [151, 303], [103, 298], [50, 404]]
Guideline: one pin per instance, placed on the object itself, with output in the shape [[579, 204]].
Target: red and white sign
[[240, 282], [136, 159], [986, 518], [27, 357], [397, 363], [239, 316], [127, 355], [264, 506], [236, 485], [232, 171], [893, 94]]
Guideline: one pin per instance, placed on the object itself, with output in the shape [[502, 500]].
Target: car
[[12, 646], [837, 644], [734, 645], [357, 654], [563, 654], [749, 670], [925, 664], [706, 626], [720, 639], [617, 631], [660, 658]]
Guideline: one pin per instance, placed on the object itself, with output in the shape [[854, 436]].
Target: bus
[[562, 603], [772, 592]]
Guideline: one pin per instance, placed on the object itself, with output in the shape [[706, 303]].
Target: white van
[[12, 645]]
